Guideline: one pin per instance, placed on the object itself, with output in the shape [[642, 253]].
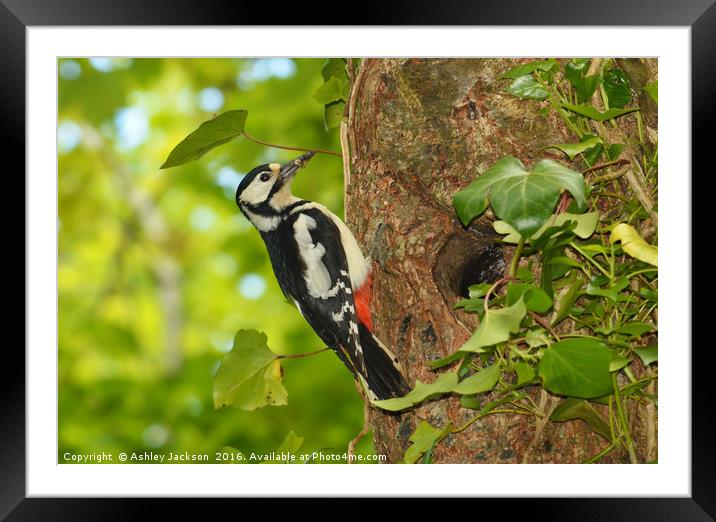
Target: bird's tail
[[383, 377]]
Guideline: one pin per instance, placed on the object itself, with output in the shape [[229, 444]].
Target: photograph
[[358, 260]]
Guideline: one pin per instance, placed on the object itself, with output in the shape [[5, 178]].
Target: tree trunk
[[420, 130]]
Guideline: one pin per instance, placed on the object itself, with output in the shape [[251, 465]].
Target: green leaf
[[616, 85], [496, 327], [250, 375], [291, 444], [592, 155], [480, 382], [525, 372], [612, 292], [210, 134], [577, 368], [330, 91], [528, 68], [535, 298], [439, 363], [652, 89], [536, 337], [648, 355], [634, 329], [567, 300], [334, 68], [572, 149], [585, 225], [424, 438], [618, 362], [443, 384], [527, 87], [333, 114], [478, 290], [571, 409], [633, 244], [523, 273], [614, 151], [576, 72], [594, 114], [524, 199]]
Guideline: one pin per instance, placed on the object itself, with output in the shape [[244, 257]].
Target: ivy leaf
[[618, 362], [634, 329], [577, 368], [424, 439], [584, 85], [250, 375], [633, 244], [329, 91], [648, 355], [535, 298], [443, 384], [584, 226], [496, 327], [568, 298], [524, 199], [571, 409], [612, 292], [652, 89], [291, 444], [594, 114], [334, 68], [525, 373], [210, 134], [527, 87], [333, 114], [528, 68], [572, 149], [480, 382], [614, 151], [616, 85]]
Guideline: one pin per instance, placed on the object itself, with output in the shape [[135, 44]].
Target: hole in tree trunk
[[466, 260]]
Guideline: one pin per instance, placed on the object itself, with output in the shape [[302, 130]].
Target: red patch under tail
[[363, 296]]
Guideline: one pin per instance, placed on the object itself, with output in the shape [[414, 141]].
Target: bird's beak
[[290, 168]]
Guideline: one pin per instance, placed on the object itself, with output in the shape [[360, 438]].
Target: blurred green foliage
[[158, 269]]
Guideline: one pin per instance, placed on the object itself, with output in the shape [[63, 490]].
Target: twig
[[363, 432], [300, 149]]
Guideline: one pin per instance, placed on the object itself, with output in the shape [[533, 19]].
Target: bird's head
[[266, 190]]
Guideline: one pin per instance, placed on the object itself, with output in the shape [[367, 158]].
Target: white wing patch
[[318, 279], [358, 267]]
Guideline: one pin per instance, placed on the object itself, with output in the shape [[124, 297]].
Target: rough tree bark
[[419, 130]]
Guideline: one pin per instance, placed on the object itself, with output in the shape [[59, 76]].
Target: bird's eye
[[265, 176]]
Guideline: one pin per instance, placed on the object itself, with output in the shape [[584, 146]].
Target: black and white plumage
[[319, 266]]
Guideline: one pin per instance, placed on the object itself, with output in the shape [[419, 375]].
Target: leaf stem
[[300, 355], [516, 257], [300, 149], [493, 288], [623, 421], [481, 415]]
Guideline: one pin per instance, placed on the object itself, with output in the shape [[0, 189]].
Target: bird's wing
[[327, 299]]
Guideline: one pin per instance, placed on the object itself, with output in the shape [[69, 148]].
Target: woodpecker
[[320, 268]]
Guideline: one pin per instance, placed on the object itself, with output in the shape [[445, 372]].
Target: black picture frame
[[699, 15]]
